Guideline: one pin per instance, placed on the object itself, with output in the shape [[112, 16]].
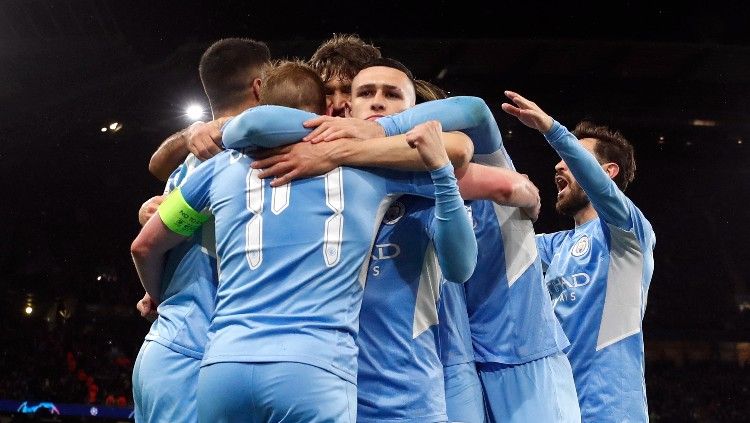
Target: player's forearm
[[603, 192], [455, 242], [149, 268], [394, 153], [148, 251], [148, 259], [503, 186], [267, 127], [168, 156]]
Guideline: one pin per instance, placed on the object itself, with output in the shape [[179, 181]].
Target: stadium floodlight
[[112, 127], [194, 111], [28, 309]]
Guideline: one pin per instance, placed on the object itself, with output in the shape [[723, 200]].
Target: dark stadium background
[[674, 79]]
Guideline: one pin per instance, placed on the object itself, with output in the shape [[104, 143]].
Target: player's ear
[[612, 169], [256, 88]]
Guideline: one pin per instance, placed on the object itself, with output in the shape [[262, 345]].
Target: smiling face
[[380, 91], [570, 196]]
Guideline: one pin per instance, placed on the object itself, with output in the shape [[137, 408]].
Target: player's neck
[[584, 215]]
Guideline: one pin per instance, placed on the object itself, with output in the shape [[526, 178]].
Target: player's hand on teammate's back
[[427, 139], [295, 161], [527, 112], [148, 208], [329, 128], [147, 308], [203, 139]]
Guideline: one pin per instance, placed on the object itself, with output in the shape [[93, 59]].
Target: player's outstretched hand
[[148, 208], [147, 308], [329, 128], [204, 138], [427, 139], [295, 161], [527, 112]]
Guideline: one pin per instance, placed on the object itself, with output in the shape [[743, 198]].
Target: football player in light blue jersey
[[516, 341], [399, 376], [537, 383], [269, 333], [165, 374], [598, 273]]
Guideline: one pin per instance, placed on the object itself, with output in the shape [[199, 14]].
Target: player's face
[[570, 196], [381, 91], [338, 96]]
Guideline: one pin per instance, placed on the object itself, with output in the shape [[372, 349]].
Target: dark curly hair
[[611, 146]]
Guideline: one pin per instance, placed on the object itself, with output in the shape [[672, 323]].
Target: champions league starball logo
[[28, 409]]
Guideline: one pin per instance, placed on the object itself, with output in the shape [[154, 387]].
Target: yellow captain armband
[[179, 217]]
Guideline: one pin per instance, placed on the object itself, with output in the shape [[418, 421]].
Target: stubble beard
[[575, 201]]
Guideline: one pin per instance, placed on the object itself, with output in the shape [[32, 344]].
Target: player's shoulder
[[641, 225], [553, 239]]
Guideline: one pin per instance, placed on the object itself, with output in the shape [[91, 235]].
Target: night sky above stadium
[[676, 82]]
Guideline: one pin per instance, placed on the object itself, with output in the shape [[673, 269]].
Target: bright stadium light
[[28, 309], [194, 111]]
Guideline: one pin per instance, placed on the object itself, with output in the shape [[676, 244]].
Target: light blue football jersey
[[293, 259], [454, 340], [598, 276], [511, 320], [513, 325], [188, 285], [400, 375]]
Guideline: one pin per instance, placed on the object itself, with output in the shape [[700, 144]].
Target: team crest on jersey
[[581, 246], [394, 214]]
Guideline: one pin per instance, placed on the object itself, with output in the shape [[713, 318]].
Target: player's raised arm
[[595, 178]]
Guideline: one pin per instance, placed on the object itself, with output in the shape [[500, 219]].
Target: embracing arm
[[148, 250], [470, 115], [174, 221], [454, 239], [503, 186], [168, 156], [266, 126], [394, 153], [203, 139]]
